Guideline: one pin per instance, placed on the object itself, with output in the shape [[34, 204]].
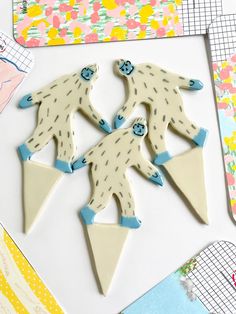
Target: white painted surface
[[170, 234]]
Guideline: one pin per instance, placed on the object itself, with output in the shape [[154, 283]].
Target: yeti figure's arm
[[147, 169], [185, 83], [89, 111], [29, 100]]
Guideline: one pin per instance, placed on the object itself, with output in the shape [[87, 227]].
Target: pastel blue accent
[[157, 179], [162, 158], [80, 163], [26, 101], [195, 85], [227, 124], [105, 126], [24, 152], [130, 222], [200, 138], [119, 120], [168, 297], [87, 215], [63, 166]]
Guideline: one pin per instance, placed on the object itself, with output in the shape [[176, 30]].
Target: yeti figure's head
[[140, 127], [89, 73], [125, 67]]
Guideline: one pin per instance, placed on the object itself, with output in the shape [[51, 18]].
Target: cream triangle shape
[[187, 171], [106, 243], [38, 181]]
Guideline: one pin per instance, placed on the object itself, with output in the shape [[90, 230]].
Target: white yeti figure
[[58, 103], [160, 90], [110, 159]]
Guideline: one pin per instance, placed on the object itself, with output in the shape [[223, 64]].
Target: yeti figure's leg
[[124, 195], [158, 124], [184, 126], [36, 142], [66, 148], [102, 192]]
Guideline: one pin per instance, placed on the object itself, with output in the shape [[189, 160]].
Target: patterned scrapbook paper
[[205, 284], [15, 63], [21, 289], [222, 35], [57, 22], [62, 22]]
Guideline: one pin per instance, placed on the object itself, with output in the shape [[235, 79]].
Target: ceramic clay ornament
[[160, 91], [109, 160], [57, 103]]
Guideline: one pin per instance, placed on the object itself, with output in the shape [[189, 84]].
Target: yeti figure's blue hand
[[118, 121], [156, 178], [195, 85], [26, 102], [105, 126], [80, 163]]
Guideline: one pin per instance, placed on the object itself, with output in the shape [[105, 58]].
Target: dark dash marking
[[53, 86]]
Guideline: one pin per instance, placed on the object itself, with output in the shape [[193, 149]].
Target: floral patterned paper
[[225, 81], [62, 22]]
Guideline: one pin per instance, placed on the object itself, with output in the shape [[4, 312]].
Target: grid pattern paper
[[213, 278], [222, 35], [197, 15], [15, 53]]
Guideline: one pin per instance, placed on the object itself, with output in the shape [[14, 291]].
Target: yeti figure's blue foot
[[162, 158], [119, 120], [63, 166], [200, 138], [130, 222], [24, 152], [195, 85], [87, 215], [105, 126]]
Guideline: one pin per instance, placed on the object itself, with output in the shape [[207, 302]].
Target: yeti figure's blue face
[[87, 74], [126, 68], [139, 129]]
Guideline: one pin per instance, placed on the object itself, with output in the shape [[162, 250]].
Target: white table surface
[[170, 233]]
